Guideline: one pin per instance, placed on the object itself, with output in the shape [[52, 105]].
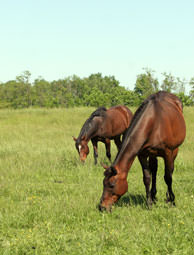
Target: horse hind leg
[[169, 168], [153, 166]]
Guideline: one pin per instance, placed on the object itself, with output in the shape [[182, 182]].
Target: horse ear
[[75, 139]]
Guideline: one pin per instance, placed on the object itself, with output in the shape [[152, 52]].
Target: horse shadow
[[132, 200]]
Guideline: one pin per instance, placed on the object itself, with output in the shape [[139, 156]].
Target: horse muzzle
[[103, 208]]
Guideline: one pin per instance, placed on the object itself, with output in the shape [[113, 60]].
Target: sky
[[57, 39]]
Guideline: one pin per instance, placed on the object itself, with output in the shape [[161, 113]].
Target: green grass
[[48, 199]]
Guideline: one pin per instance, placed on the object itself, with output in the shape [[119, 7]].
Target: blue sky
[[56, 39]]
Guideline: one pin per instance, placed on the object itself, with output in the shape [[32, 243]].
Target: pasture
[[48, 199]]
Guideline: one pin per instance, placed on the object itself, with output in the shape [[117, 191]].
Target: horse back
[[115, 122], [119, 117]]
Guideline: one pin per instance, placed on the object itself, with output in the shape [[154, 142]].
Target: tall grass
[[48, 199]]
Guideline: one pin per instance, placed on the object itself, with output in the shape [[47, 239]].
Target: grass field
[[48, 199]]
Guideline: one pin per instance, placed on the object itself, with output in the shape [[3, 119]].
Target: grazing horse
[[157, 129], [103, 125]]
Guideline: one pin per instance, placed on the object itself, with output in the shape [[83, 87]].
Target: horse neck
[[134, 141], [88, 130]]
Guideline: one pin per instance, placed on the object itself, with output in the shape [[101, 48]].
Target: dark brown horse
[[103, 125], [157, 129]]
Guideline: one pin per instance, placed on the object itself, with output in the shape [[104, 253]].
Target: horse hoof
[[149, 204], [154, 200], [171, 202], [167, 200]]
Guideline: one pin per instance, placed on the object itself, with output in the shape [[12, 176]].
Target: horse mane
[[87, 126], [133, 123], [98, 112]]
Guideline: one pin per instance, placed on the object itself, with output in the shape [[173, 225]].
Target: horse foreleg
[[153, 166], [146, 178], [95, 148]]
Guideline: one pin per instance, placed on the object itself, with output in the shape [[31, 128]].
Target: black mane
[[87, 126], [98, 112]]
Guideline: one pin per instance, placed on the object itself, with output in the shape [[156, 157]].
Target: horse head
[[82, 148], [114, 186]]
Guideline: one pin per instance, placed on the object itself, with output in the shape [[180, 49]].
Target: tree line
[[95, 90]]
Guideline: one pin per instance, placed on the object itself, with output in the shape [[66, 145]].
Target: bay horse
[[103, 125], [157, 129]]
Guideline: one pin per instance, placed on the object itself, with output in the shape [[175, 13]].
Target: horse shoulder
[[100, 125]]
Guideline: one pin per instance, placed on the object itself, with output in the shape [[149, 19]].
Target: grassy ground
[[48, 199]]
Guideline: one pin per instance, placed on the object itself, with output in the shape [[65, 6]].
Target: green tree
[[169, 83], [15, 94], [24, 80], [186, 100], [78, 88], [42, 95], [24, 77], [97, 98], [104, 84], [180, 85], [130, 98], [60, 94], [146, 84], [191, 83]]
